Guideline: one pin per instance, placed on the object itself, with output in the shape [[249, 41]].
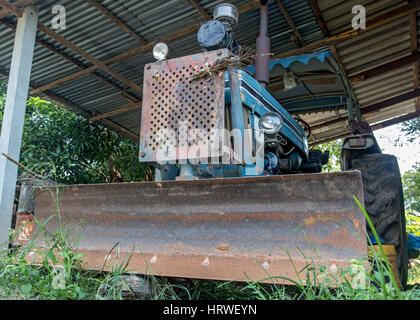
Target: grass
[[22, 280]]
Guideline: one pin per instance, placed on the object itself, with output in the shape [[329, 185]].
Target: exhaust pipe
[[262, 63]]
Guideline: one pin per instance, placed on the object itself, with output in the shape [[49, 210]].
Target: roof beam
[[119, 58], [11, 8], [200, 10], [74, 48], [111, 124], [387, 67], [412, 18], [326, 33], [351, 33], [374, 107], [89, 57], [117, 21], [397, 120], [290, 22], [73, 107], [319, 17], [133, 52], [19, 3], [374, 127], [390, 102], [325, 140], [130, 107], [65, 56]]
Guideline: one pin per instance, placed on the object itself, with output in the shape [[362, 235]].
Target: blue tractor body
[[243, 102]]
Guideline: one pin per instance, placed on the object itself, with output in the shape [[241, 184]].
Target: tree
[[411, 182], [67, 147], [334, 147], [411, 129], [411, 185]]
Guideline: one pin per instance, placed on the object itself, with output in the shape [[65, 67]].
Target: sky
[[407, 153]]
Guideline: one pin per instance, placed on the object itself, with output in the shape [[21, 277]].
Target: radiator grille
[[181, 113]]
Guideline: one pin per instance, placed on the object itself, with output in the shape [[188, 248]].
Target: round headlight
[[160, 51], [271, 123]]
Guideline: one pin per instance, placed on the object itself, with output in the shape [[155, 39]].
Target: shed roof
[[95, 65]]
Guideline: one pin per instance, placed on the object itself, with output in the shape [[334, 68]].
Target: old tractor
[[237, 193]]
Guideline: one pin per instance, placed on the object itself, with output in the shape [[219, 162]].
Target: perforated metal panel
[[182, 118]]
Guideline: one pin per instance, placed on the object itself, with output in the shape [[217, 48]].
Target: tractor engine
[[201, 123]]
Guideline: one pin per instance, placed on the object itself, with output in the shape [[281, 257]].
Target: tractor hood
[[308, 83]]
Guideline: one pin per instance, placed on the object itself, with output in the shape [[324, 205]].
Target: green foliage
[[20, 280], [77, 151], [411, 183], [413, 223], [57, 274], [411, 129], [334, 147]]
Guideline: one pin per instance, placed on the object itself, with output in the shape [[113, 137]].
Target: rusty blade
[[225, 229]]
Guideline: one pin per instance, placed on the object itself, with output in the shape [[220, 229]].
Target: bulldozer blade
[[237, 229]]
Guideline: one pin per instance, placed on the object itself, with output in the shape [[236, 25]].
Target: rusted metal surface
[[175, 106], [213, 229], [24, 227], [26, 201]]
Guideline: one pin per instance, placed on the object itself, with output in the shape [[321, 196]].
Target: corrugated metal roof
[[91, 30], [375, 47], [338, 14], [368, 50]]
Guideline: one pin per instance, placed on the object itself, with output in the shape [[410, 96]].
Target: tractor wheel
[[384, 203]]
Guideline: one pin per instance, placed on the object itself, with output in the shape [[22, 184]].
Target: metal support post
[[14, 115]]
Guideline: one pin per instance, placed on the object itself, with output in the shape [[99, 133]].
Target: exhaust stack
[[262, 64]]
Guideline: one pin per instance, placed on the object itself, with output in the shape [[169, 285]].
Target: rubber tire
[[384, 203]]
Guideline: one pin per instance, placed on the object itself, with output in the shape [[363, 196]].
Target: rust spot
[[310, 221], [223, 247], [25, 232], [356, 224], [313, 220]]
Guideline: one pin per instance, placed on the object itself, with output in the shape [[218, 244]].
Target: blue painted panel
[[317, 104], [254, 93], [286, 62]]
